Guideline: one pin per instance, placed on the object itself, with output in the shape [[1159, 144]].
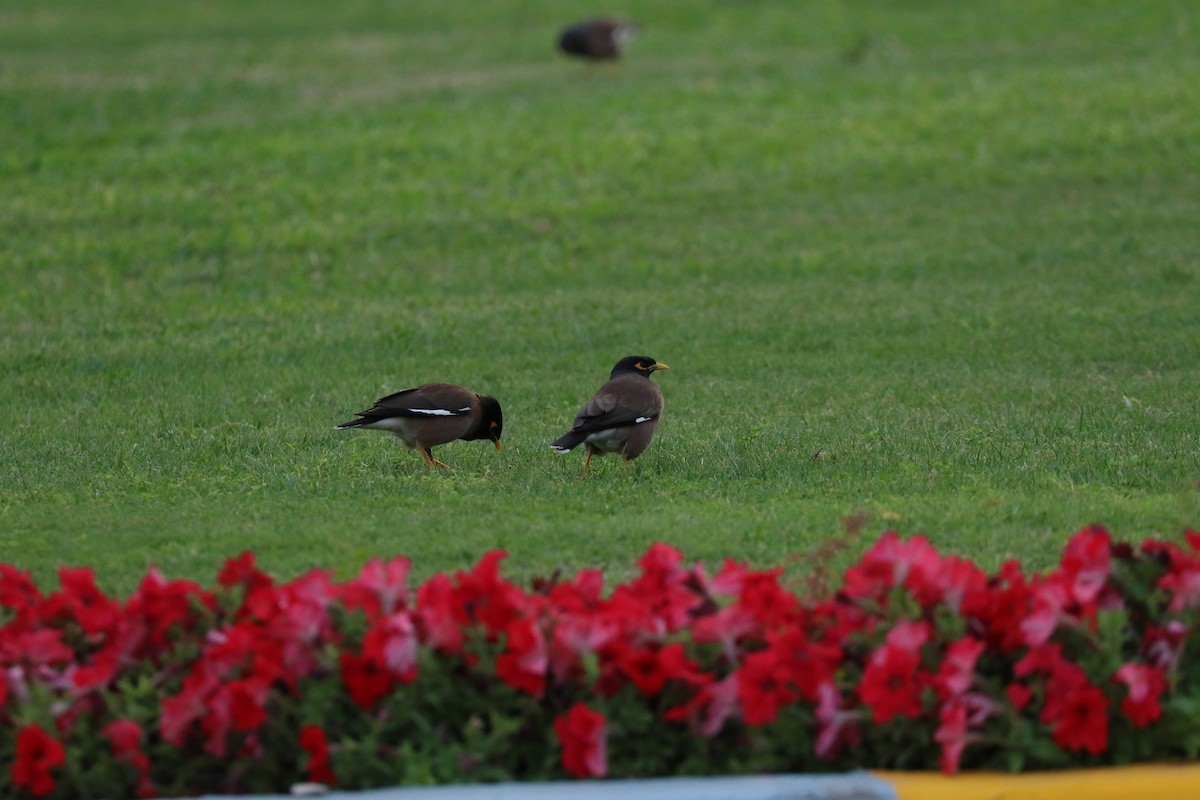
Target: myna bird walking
[[622, 416], [600, 39], [433, 414]]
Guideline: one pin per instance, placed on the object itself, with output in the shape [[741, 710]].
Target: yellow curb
[[1151, 781]]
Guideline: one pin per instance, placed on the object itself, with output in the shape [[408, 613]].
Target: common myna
[[600, 39], [621, 417], [433, 414]]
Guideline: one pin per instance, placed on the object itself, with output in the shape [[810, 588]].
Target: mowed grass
[[934, 263]]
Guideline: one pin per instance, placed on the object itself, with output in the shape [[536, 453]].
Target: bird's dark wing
[[429, 401], [619, 402]]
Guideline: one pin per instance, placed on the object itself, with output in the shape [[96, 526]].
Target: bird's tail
[[568, 442], [354, 423]]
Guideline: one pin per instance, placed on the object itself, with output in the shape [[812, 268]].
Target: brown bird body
[[600, 39], [433, 414], [621, 417]]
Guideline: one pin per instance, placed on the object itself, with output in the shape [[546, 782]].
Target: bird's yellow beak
[[658, 365]]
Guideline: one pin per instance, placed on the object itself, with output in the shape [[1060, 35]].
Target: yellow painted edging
[[1152, 782]]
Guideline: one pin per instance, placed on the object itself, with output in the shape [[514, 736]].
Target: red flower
[[524, 662], [1019, 695], [765, 599], [81, 600], [963, 585], [313, 742], [164, 606], [17, 589], [1008, 603], [582, 734], [1146, 685], [366, 679], [36, 647], [37, 753], [661, 593], [892, 683], [1076, 711], [482, 595], [892, 562], [125, 736], [764, 685]]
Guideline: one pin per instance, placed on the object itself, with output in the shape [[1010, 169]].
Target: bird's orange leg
[[587, 461], [429, 459]]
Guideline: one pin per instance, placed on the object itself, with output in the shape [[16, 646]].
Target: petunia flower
[[582, 733], [1145, 685], [37, 754]]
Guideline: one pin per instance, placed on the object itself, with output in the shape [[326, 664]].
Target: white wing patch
[[436, 412], [640, 420]]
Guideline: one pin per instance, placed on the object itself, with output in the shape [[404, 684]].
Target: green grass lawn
[[934, 261]]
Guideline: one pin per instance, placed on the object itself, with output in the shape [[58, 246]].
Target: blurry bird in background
[[600, 39]]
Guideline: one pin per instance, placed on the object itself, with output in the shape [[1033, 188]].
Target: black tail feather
[[568, 441]]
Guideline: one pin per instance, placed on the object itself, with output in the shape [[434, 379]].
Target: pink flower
[[1085, 563], [438, 617], [582, 734], [728, 626], [958, 668], [1145, 685], [952, 735], [392, 643], [380, 588], [710, 708], [837, 727]]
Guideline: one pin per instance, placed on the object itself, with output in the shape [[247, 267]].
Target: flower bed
[[918, 660]]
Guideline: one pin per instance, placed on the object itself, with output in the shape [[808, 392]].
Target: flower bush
[[917, 660]]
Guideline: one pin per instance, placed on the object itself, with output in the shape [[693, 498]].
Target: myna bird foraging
[[433, 414], [600, 39], [622, 416]]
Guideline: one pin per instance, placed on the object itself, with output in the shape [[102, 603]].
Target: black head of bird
[[491, 421], [600, 39], [433, 414], [622, 416]]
